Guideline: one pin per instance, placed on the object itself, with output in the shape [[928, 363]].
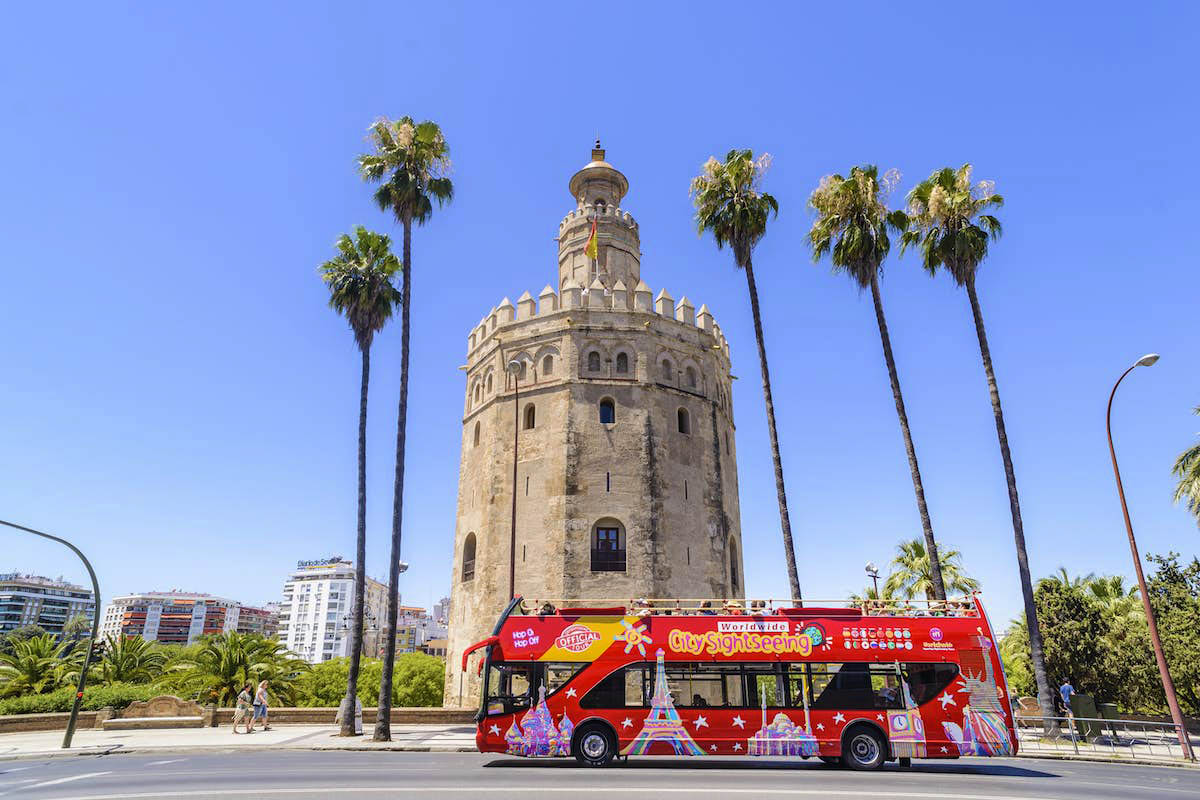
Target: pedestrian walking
[[242, 710], [1067, 691], [260, 707]]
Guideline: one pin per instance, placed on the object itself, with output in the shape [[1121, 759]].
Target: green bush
[[118, 695], [416, 681]]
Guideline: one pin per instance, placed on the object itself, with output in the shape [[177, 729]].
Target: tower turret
[[597, 190]]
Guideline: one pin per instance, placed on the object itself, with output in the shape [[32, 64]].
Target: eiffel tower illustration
[[662, 724]]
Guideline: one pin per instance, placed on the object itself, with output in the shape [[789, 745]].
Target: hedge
[[118, 695]]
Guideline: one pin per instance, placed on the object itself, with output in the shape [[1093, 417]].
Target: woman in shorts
[[260, 707], [241, 710]]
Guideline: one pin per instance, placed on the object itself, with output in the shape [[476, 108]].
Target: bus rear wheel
[[594, 745], [864, 748]]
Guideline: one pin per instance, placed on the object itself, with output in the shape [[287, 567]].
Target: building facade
[[315, 614], [258, 621], [45, 602], [620, 405], [173, 617]]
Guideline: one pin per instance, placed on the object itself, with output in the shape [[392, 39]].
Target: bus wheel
[[595, 745], [864, 748], [833, 761]]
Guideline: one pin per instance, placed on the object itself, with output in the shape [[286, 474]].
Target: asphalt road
[[326, 775]]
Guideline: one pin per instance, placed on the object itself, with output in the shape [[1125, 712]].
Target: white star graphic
[[713, 747], [944, 750], [701, 722], [947, 699], [879, 717], [820, 726], [627, 723], [737, 745], [571, 692], [494, 730], [839, 717], [738, 722]]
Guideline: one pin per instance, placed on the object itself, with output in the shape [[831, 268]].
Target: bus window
[[508, 688], [735, 697], [558, 675], [926, 681], [797, 685], [762, 680], [855, 687], [696, 685], [624, 688]]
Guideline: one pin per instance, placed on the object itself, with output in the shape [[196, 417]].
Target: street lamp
[[515, 368], [1168, 685], [87, 656], [873, 571]]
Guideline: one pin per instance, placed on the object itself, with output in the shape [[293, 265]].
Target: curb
[[1133, 762], [141, 751]]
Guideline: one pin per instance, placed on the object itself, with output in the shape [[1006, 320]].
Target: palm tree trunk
[[789, 549], [935, 563], [1045, 695], [360, 556], [383, 719]]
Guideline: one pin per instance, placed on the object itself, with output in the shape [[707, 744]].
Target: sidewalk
[[414, 738]]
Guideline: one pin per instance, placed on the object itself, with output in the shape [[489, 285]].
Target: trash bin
[[1109, 712], [1083, 706]]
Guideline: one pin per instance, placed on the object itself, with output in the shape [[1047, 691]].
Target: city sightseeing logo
[[576, 638]]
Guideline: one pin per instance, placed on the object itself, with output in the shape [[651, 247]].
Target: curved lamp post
[[514, 369], [87, 658], [1168, 685]]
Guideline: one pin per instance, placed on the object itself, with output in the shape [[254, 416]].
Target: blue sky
[[179, 400]]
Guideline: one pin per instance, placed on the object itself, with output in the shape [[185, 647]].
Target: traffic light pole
[[87, 658]]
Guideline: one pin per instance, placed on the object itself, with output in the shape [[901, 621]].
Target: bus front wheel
[[595, 745], [864, 748]]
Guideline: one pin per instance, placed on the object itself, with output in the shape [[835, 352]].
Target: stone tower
[[626, 478]]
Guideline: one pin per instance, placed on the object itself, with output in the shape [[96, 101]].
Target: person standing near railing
[[1068, 691]]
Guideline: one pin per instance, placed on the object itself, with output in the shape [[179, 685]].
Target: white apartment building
[[314, 616], [173, 617], [36, 600]]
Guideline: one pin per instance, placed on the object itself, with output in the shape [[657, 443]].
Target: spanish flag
[[592, 251]]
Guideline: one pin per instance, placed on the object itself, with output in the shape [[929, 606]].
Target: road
[[325, 775]]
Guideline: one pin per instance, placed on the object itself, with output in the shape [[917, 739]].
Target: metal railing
[[644, 606], [1115, 739]]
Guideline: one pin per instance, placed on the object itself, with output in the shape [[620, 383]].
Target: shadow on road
[[1000, 770]]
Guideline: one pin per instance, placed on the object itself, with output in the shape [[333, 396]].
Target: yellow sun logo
[[633, 636]]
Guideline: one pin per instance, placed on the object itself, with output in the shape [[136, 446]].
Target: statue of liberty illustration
[[662, 724], [983, 732]]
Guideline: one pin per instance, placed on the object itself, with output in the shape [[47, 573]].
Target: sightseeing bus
[[857, 686]]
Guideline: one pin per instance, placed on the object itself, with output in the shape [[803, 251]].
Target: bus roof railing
[[666, 606]]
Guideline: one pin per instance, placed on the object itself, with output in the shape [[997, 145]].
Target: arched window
[[476, 443], [468, 558], [608, 546], [733, 564], [684, 421], [547, 366], [478, 392], [593, 361], [691, 378], [489, 383], [726, 442], [668, 371], [530, 417], [622, 363], [521, 371], [608, 411]]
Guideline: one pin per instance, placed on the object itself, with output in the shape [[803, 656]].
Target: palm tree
[[947, 220], [412, 162], [360, 288], [912, 572], [852, 228], [38, 664], [130, 659], [1187, 469], [223, 663], [731, 205]]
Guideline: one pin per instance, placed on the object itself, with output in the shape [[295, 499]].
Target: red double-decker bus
[[858, 686]]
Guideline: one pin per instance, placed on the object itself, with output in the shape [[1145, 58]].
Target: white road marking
[[57, 781], [168, 761], [939, 794]]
